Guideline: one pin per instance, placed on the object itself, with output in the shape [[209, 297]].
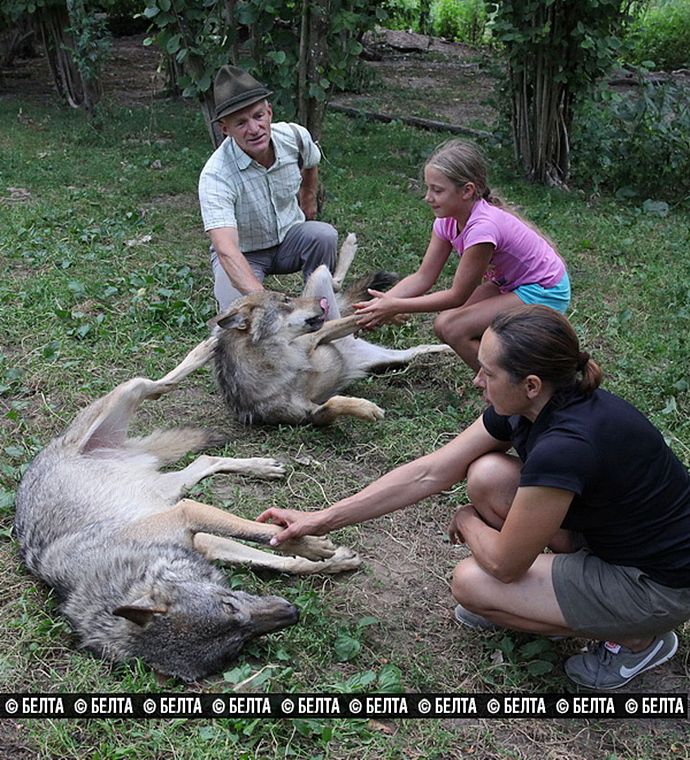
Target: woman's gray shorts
[[606, 601]]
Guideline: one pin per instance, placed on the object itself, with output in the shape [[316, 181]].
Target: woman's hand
[[296, 524], [455, 530]]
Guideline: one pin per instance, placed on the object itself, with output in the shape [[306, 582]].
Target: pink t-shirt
[[522, 256]]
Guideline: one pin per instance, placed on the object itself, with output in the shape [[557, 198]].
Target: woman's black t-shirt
[[631, 493]]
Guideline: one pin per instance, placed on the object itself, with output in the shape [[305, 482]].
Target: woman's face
[[444, 196], [499, 389]]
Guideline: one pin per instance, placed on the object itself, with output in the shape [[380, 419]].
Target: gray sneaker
[[474, 621], [607, 665]]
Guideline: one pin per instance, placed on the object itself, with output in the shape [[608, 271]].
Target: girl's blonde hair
[[462, 162]]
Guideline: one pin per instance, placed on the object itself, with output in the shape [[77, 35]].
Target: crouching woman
[[591, 479]]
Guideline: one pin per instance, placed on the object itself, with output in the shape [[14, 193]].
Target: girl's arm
[[399, 488], [472, 267], [415, 284], [534, 518]]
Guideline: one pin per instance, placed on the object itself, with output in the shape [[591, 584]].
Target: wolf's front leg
[[231, 552], [203, 518], [332, 330]]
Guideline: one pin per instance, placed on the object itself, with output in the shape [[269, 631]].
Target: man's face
[[250, 128]]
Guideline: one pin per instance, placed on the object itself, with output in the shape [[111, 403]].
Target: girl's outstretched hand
[[380, 309]]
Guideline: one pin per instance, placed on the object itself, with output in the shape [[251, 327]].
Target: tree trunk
[[541, 116], [313, 58]]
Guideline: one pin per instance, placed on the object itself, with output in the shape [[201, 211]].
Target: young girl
[[504, 262]]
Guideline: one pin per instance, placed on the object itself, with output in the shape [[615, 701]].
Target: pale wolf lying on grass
[[129, 561], [283, 360]]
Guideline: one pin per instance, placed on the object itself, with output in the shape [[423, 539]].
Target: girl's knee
[[440, 323], [448, 326]]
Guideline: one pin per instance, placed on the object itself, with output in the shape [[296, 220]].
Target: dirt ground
[[409, 68]]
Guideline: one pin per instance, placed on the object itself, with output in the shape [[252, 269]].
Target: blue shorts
[[557, 297]]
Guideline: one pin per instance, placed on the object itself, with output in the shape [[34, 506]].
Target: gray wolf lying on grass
[[283, 360], [129, 559]]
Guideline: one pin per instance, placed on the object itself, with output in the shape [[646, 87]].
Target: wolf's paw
[[370, 411], [343, 560], [311, 547], [270, 469]]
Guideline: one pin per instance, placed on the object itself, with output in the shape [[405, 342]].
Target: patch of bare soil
[[132, 76], [410, 75], [413, 75]]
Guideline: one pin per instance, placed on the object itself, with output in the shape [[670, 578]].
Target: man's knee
[[321, 245]]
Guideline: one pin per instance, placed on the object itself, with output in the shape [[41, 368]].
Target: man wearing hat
[[257, 191]]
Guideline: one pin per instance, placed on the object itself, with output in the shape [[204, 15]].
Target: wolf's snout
[[273, 613]]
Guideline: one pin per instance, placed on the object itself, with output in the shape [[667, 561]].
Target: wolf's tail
[[170, 445], [358, 290]]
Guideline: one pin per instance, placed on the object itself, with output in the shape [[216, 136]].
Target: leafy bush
[[662, 34], [635, 144], [403, 14], [461, 20]]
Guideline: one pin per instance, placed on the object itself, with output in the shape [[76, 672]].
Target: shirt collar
[[244, 160]]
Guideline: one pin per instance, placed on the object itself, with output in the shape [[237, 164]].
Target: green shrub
[[403, 14], [634, 144], [460, 20], [661, 34]]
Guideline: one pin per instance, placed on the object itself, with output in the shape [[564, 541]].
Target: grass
[[107, 276]]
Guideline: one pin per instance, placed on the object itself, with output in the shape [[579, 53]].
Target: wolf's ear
[[141, 612], [235, 321], [267, 324]]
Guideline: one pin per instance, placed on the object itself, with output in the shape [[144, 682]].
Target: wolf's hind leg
[[320, 285], [346, 406], [104, 423]]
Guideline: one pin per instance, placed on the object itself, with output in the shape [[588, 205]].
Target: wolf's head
[[196, 627], [267, 314], [168, 606]]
